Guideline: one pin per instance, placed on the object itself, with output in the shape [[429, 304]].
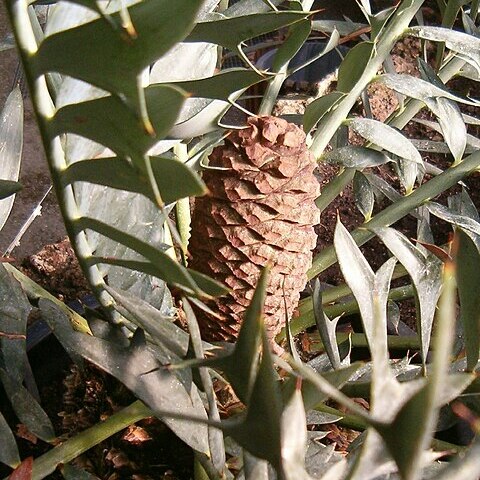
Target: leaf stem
[[270, 96], [334, 188], [215, 436], [34, 292], [359, 340]]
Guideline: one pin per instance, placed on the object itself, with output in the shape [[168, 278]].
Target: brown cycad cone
[[260, 208]]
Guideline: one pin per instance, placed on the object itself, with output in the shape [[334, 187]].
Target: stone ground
[[34, 176]]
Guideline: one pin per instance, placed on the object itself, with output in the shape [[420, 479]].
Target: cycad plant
[[130, 103]]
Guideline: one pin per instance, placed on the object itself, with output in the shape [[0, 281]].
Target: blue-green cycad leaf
[[425, 271], [123, 210], [120, 59], [14, 311], [383, 188], [71, 472], [467, 46], [463, 212], [140, 216], [410, 433], [125, 135], [326, 327], [353, 66], [27, 409], [133, 49], [379, 351], [379, 20], [365, 8], [207, 8], [199, 116], [316, 417], [248, 7], [336, 378], [470, 72], [61, 326], [371, 292], [449, 116], [464, 221], [127, 212], [331, 44], [440, 101], [174, 179], [407, 172], [8, 188], [364, 196], [344, 28], [149, 288], [420, 89], [259, 431], [469, 22], [8, 447], [464, 467], [230, 32], [183, 62], [336, 471], [424, 231], [217, 87], [254, 468], [210, 101], [196, 349], [393, 141], [316, 110], [160, 263], [298, 35], [452, 124], [138, 369], [389, 398], [462, 204], [468, 279], [11, 141], [353, 156], [358, 275], [160, 328], [294, 437]]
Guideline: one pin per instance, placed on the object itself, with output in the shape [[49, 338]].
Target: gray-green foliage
[[119, 90], [11, 143]]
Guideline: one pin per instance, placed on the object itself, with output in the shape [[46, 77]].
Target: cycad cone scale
[[261, 208]]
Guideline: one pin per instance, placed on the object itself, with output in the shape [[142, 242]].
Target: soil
[[55, 267], [144, 451], [76, 400]]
